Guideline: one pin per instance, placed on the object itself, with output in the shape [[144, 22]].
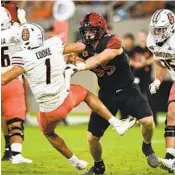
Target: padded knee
[[169, 131], [16, 127]]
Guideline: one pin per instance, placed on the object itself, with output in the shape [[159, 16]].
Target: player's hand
[[71, 69], [154, 86]]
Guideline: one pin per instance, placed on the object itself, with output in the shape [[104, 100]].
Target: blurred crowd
[[126, 9], [136, 9]]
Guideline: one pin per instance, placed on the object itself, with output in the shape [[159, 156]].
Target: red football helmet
[[92, 28]]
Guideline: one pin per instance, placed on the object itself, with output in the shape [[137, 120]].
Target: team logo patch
[[85, 53], [25, 34], [171, 18]]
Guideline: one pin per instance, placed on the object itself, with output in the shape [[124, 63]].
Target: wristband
[[81, 66], [157, 82]]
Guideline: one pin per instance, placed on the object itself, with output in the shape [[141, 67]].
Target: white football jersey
[[44, 70], [8, 47], [165, 53]]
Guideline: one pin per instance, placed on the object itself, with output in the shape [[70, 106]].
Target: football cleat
[[153, 160], [167, 164], [80, 165], [7, 155], [95, 171], [124, 125], [20, 159]]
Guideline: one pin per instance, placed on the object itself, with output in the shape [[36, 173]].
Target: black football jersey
[[116, 74]]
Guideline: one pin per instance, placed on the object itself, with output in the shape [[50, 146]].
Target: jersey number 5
[[104, 69], [169, 64], [5, 59], [48, 71]]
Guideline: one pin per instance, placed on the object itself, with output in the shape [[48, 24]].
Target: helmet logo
[[171, 18], [85, 53], [25, 34]]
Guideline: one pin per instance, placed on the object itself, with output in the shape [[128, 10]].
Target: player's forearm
[[11, 74], [92, 63], [89, 64], [160, 73], [5, 78], [100, 59], [73, 48]]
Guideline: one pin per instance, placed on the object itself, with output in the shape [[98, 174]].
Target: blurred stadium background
[[62, 18], [125, 18]]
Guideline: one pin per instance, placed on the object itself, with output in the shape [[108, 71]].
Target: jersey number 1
[[48, 71]]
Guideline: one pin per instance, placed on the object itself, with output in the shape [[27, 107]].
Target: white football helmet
[[162, 25], [5, 19], [30, 36]]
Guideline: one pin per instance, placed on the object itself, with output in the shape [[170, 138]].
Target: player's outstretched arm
[[72, 58], [11, 74], [102, 58], [73, 48]]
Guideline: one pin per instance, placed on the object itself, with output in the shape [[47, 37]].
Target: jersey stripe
[[15, 60], [17, 63], [17, 57]]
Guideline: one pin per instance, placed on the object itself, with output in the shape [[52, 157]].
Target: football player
[[45, 68], [17, 17], [17, 14], [13, 104], [104, 55], [160, 42]]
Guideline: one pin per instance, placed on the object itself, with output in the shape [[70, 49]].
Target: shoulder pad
[[114, 42], [53, 41]]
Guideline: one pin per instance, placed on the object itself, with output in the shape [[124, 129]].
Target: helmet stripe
[[155, 15], [87, 18], [155, 19]]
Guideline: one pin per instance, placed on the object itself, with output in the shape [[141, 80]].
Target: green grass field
[[122, 155]]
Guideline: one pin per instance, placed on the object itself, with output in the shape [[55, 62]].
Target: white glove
[[21, 16], [68, 72], [154, 86], [81, 66], [71, 69]]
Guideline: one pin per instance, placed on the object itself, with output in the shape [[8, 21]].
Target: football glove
[[71, 69], [154, 86]]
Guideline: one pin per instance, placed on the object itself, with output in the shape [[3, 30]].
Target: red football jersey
[[12, 8]]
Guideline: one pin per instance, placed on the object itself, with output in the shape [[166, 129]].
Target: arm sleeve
[[18, 60], [114, 42]]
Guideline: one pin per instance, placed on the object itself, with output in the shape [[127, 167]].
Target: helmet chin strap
[[162, 43], [31, 48]]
